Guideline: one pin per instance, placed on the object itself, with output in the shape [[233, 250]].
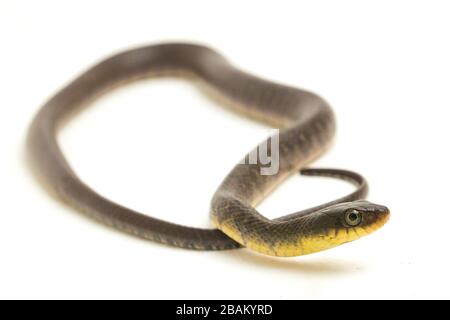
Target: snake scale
[[306, 125]]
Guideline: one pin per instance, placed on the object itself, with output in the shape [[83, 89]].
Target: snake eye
[[353, 217]]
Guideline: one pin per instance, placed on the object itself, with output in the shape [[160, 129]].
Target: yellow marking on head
[[341, 236], [304, 245], [352, 235], [310, 244]]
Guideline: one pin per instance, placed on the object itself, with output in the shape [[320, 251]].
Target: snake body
[[306, 125]]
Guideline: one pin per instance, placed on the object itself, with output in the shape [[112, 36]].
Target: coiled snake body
[[307, 127]]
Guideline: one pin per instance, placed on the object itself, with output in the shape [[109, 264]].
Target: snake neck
[[233, 205]]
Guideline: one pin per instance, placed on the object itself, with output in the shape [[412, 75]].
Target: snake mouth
[[382, 217], [385, 216]]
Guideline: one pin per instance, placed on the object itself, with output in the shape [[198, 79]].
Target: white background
[[383, 66]]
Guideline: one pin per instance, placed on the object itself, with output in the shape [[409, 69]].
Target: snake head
[[352, 220], [342, 223]]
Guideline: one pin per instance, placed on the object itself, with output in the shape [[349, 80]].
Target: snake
[[306, 127]]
